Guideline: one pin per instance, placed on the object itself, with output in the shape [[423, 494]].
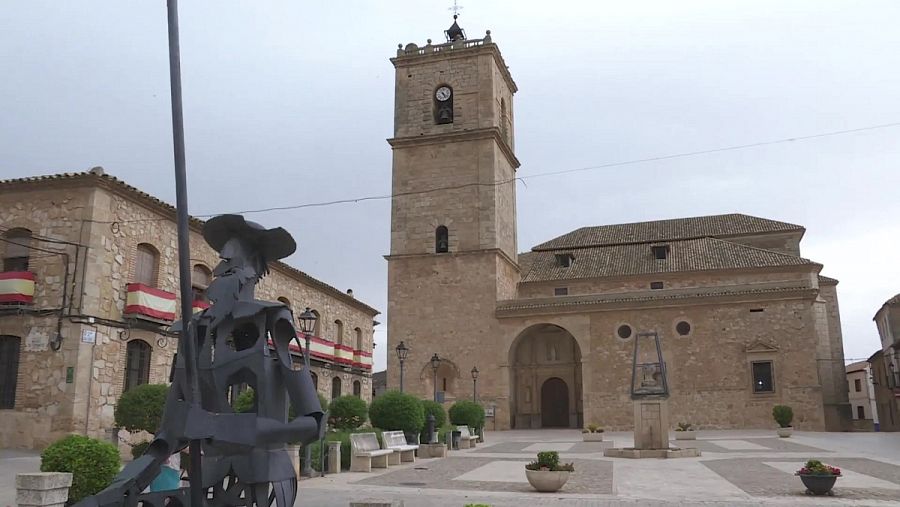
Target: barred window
[[137, 364], [9, 370]]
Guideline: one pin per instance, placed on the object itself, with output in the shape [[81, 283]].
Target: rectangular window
[[757, 310], [9, 370], [857, 385], [145, 267], [860, 412], [763, 381], [656, 285], [561, 291], [660, 252]]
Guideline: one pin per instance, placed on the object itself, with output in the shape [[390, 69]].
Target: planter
[[819, 484], [546, 481], [785, 432], [686, 435], [592, 437]]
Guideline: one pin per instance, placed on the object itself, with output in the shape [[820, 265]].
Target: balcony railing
[[17, 287], [149, 303]]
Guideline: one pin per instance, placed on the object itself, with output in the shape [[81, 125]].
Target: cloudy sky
[[291, 102]]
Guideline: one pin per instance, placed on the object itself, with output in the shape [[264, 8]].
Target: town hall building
[[744, 320]]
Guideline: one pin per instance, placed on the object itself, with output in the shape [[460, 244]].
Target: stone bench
[[365, 453], [466, 438], [396, 441]]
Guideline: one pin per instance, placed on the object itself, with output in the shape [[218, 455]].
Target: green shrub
[[783, 415], [92, 463], [347, 412], [549, 460], [137, 450], [467, 413], [442, 432], [344, 438], [440, 417], [141, 408], [397, 411]]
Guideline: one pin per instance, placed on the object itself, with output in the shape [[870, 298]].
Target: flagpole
[[184, 266]]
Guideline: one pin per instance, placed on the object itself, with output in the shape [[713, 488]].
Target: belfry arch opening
[[546, 381]]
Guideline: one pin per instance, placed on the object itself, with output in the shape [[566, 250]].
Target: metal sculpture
[[240, 341]]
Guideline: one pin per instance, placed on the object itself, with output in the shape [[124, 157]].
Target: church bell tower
[[453, 213]]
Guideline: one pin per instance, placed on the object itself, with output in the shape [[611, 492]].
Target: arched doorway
[[555, 403], [545, 379]]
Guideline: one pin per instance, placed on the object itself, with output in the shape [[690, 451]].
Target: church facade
[[744, 320]]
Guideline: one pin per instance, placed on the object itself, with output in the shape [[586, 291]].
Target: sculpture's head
[[246, 246]]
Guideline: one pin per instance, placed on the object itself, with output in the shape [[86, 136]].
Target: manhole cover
[[412, 484]]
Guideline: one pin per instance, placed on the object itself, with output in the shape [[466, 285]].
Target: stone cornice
[[466, 135], [497, 251], [426, 55], [628, 301]]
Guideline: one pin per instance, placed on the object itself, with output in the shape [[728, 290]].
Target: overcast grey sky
[[298, 97]]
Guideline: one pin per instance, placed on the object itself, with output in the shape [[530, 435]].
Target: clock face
[[442, 93]]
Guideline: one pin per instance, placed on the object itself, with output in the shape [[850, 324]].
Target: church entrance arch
[[545, 376], [555, 403]]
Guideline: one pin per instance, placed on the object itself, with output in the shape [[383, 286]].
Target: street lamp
[[307, 325], [402, 353], [435, 364], [475, 384]]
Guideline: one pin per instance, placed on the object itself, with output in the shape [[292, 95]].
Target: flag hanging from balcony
[[17, 287], [144, 301]]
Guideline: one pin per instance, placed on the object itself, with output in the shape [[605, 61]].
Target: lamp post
[[435, 364], [475, 384], [307, 325], [402, 353]]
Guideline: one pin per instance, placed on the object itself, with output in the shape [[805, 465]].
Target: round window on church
[[624, 331], [683, 328]]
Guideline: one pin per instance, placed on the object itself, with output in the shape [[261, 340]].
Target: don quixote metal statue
[[238, 340], [235, 459]]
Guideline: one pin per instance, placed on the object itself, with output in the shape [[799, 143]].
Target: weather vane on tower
[[456, 8], [455, 33]]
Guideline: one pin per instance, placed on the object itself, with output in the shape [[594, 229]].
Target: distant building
[[862, 396], [886, 365], [379, 383], [88, 288]]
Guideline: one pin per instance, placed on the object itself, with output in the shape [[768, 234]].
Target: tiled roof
[[97, 176], [637, 259], [894, 301], [734, 224], [827, 279], [857, 366]]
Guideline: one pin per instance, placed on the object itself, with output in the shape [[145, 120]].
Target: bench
[[365, 453], [466, 439], [396, 441]]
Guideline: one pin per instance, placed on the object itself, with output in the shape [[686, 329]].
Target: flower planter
[[592, 437], [785, 432], [686, 435], [546, 481], [818, 484]]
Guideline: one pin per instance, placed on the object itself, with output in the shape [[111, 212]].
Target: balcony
[[149, 304], [362, 360], [16, 288]]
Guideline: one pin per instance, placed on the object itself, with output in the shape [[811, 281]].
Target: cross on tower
[[456, 8]]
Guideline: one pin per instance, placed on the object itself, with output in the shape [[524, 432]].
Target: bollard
[[43, 489], [334, 457]]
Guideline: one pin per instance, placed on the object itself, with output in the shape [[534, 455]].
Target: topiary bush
[[347, 412], [397, 411], [783, 415], [467, 413], [141, 408], [92, 463], [440, 417]]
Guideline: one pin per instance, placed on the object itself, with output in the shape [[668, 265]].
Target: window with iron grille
[[9, 370], [137, 364]]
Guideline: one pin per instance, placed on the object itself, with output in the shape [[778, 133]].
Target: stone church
[[744, 320]]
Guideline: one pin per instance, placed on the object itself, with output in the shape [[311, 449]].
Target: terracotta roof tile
[[637, 259], [734, 224]]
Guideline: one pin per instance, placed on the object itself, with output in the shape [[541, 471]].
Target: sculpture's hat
[[273, 244]]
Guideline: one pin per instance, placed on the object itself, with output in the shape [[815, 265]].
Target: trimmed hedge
[[397, 411], [92, 463], [347, 412], [467, 413], [440, 417], [141, 408]]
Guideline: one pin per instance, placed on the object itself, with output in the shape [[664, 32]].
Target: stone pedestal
[[334, 457], [651, 423], [294, 451], [43, 489], [432, 451]]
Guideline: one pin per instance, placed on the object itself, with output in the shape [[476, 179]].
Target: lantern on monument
[[648, 370]]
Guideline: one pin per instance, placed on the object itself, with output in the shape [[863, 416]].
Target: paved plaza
[[737, 468]]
